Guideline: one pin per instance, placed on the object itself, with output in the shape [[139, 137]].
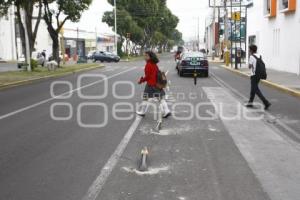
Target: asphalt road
[[208, 149]]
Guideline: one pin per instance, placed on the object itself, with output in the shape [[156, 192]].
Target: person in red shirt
[[151, 91]]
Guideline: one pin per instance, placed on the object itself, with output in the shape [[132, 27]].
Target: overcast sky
[[188, 12]]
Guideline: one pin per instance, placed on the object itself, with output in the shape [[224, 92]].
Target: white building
[[10, 42], [7, 36], [274, 26]]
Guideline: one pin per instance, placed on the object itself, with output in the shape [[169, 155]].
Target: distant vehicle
[[39, 58], [60, 57], [193, 62], [203, 51], [2, 60], [90, 55], [35, 56], [180, 49], [178, 55], [105, 57]]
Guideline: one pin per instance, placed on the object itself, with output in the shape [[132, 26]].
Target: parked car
[[105, 57], [60, 57], [40, 60], [90, 55], [193, 62]]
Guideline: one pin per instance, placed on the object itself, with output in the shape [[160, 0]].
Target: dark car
[[193, 62], [105, 57]]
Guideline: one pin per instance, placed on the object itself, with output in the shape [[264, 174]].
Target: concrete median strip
[[27, 81], [279, 87]]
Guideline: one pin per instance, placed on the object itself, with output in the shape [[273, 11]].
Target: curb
[[279, 87], [25, 82]]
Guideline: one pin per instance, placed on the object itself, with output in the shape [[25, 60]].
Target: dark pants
[[256, 91]]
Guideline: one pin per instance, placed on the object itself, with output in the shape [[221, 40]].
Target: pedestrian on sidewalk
[[151, 90], [255, 63]]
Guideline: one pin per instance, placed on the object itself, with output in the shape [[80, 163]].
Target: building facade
[[8, 42], [76, 41], [274, 26]]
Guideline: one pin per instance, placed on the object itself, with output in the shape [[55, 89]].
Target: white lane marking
[[66, 93], [95, 189]]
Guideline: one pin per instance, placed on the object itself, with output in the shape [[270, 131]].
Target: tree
[[126, 24], [56, 18], [153, 22], [29, 7]]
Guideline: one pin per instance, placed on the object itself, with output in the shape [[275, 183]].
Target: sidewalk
[[283, 81]]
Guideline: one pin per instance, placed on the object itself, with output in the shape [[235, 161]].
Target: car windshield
[[194, 55]]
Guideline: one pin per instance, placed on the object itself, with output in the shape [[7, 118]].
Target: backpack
[[260, 71], [161, 81]]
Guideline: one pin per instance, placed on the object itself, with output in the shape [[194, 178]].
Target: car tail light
[[184, 63], [204, 63]]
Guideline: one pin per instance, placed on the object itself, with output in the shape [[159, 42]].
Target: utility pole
[[231, 34], [77, 45], [13, 34], [62, 44], [198, 36], [214, 31], [116, 36], [241, 34], [226, 51], [27, 44]]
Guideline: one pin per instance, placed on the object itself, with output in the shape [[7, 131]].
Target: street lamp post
[[214, 31], [116, 36]]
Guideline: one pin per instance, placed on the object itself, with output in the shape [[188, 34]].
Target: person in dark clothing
[[151, 91], [255, 79]]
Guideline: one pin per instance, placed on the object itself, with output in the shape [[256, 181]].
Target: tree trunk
[[55, 44], [31, 34], [22, 30], [55, 49]]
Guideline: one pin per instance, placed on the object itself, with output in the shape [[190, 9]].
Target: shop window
[[287, 5], [270, 8]]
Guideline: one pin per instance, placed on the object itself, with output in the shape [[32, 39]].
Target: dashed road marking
[[99, 182]]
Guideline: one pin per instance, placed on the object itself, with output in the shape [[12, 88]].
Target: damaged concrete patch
[[151, 171]]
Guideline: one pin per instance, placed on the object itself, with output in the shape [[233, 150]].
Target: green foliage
[[73, 9], [34, 64], [4, 5], [150, 22]]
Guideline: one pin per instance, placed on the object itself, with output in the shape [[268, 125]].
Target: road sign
[[235, 3], [236, 16]]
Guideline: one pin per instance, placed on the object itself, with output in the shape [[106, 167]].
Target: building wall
[[9, 49], [278, 38], [7, 37], [43, 40]]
